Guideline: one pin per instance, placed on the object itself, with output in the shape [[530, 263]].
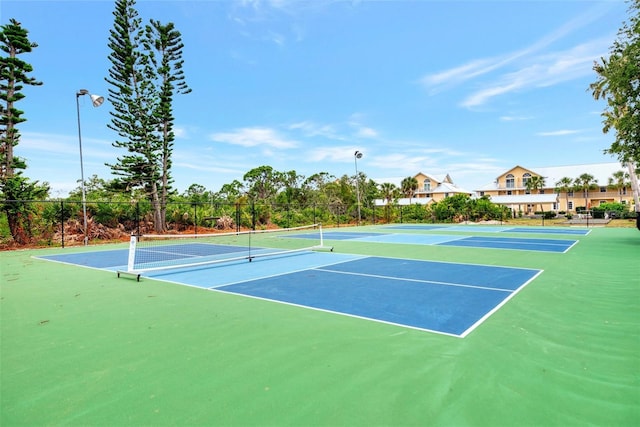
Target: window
[[570, 206], [555, 206], [481, 193], [508, 192], [525, 179], [541, 191], [427, 185], [511, 182], [603, 189], [570, 193]]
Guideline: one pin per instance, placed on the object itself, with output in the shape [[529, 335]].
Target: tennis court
[[375, 333], [440, 297], [492, 229], [512, 243]]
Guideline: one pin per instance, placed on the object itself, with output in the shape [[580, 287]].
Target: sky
[[464, 88]]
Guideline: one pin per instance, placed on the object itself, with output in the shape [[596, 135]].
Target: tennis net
[[150, 252]]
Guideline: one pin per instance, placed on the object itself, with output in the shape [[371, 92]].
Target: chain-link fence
[[63, 222]]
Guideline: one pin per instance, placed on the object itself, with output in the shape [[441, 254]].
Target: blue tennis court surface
[[539, 245], [446, 298], [492, 229], [512, 243]]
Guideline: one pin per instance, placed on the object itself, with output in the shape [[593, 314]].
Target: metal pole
[[84, 196], [356, 156]]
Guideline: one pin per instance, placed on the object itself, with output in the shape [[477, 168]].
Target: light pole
[[357, 155], [97, 101]]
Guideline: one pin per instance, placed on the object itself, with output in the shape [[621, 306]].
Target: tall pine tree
[[164, 44], [146, 72], [15, 189]]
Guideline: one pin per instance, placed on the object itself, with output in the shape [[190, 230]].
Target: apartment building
[[607, 183]]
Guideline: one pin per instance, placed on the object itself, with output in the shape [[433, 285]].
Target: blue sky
[[465, 88]]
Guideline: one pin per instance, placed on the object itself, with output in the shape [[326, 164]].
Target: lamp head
[[97, 100], [358, 155]]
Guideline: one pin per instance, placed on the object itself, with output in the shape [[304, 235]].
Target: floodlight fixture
[[357, 155], [97, 101]]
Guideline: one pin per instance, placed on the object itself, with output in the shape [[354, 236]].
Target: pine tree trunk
[[16, 226], [158, 219]]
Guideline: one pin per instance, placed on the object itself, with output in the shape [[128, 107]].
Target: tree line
[[145, 76]]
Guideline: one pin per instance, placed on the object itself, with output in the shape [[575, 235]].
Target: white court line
[[377, 276]]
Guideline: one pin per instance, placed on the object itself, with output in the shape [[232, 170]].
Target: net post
[[132, 252], [133, 241]]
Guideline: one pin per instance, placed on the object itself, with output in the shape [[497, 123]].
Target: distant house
[[437, 188], [510, 188], [430, 189]]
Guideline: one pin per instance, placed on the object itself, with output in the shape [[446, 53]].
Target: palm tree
[[618, 181], [408, 186], [389, 193], [535, 183], [584, 183], [564, 186]]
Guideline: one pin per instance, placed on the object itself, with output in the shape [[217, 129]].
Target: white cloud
[[34, 144], [180, 132], [514, 118], [365, 132], [207, 168], [254, 137], [559, 132], [459, 74], [525, 68], [361, 131], [311, 129], [332, 154]]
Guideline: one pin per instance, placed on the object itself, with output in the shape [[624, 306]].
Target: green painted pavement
[[81, 347]]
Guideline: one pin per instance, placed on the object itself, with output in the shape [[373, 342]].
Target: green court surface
[[81, 347]]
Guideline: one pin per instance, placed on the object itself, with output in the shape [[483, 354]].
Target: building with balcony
[[561, 189]]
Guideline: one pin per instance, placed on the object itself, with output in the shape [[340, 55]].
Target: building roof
[[601, 173], [446, 187], [437, 178]]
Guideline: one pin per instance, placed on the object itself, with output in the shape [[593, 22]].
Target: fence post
[[253, 215], [237, 217], [62, 221], [138, 218]]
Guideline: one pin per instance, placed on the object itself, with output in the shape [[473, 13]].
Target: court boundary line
[[218, 288], [455, 238], [73, 264], [510, 293], [499, 306], [404, 279], [339, 313], [506, 249]]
